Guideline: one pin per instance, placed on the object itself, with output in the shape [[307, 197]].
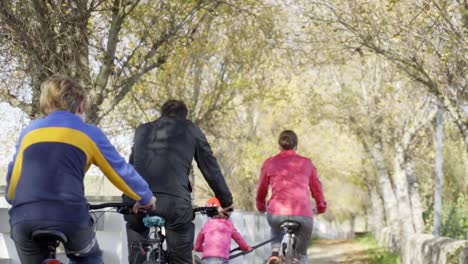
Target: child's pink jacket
[[214, 239]]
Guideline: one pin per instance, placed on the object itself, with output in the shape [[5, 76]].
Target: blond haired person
[[45, 178]]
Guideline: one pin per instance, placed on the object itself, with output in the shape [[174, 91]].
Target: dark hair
[[174, 108], [288, 139]]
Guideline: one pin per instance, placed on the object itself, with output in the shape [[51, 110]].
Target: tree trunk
[[465, 165], [402, 191], [415, 198], [404, 207], [386, 190], [376, 215], [465, 136], [439, 144]]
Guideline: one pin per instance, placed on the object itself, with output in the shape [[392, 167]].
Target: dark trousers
[[81, 247], [179, 228]]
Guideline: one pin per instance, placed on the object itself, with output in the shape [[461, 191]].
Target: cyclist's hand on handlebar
[[226, 211], [144, 208]]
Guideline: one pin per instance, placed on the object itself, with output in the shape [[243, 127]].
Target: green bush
[[455, 223], [455, 219]]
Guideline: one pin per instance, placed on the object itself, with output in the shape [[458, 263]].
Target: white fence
[[112, 236]]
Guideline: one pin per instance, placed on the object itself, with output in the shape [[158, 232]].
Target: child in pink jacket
[[214, 239]]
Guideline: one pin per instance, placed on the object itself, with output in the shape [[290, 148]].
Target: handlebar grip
[[206, 210]]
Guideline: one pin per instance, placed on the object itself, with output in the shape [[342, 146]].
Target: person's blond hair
[[61, 93]]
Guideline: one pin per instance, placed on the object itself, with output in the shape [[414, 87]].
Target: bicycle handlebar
[[121, 208], [107, 205], [209, 211], [125, 208]]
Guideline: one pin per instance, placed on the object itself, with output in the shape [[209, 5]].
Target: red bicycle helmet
[[213, 202]]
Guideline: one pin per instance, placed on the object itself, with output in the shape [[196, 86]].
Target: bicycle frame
[[289, 248], [152, 247], [288, 244]]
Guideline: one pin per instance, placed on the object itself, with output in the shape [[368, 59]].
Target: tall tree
[[107, 45], [372, 99], [426, 39], [225, 68]]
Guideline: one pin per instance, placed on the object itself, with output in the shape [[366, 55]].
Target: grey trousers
[[214, 260], [303, 234]]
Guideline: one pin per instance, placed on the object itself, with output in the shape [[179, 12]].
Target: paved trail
[[340, 251]]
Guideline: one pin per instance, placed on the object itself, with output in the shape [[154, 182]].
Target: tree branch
[[14, 101], [118, 16]]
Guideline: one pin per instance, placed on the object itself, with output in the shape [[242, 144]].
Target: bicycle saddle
[[151, 221], [290, 226], [48, 236]]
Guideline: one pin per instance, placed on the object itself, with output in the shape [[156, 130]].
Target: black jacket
[[163, 151]]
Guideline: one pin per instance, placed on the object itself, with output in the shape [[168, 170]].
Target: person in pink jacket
[[293, 179], [214, 239]]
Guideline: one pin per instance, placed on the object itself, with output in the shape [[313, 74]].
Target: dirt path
[[340, 251]]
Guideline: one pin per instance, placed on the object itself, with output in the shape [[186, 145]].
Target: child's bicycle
[[151, 247]]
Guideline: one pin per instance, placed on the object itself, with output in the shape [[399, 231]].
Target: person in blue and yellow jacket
[[45, 179]]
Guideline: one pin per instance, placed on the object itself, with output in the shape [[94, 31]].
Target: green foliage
[[454, 218], [385, 258], [455, 224], [219, 70], [455, 208]]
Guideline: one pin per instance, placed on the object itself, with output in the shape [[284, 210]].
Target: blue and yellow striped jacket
[[45, 178]]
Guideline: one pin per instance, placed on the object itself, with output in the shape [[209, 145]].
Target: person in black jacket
[[162, 153]]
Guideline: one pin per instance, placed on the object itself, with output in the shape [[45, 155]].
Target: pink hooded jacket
[[214, 239]]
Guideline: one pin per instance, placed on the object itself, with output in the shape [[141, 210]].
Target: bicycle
[[53, 238], [151, 247], [288, 243]]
